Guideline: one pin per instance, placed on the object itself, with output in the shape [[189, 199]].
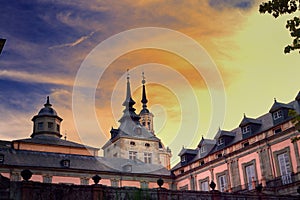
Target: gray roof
[[277, 105], [298, 96], [247, 120], [34, 159], [224, 133], [187, 151], [50, 140]]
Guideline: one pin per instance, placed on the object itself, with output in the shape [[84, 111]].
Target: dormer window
[[246, 129], [1, 158], [202, 149], [65, 163], [277, 114], [138, 130], [220, 141], [183, 159]]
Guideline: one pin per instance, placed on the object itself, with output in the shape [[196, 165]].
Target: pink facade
[[259, 151]]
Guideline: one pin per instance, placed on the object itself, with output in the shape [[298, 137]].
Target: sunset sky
[[49, 41]]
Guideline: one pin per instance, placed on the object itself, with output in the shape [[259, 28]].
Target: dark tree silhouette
[[281, 7]]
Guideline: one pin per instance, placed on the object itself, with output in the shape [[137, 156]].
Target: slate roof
[[221, 133], [28, 159], [49, 140], [187, 151], [277, 105], [247, 120], [298, 96]]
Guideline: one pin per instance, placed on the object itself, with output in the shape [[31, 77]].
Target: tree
[[296, 122], [281, 7]]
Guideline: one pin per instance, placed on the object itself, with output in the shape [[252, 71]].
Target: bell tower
[[146, 116]]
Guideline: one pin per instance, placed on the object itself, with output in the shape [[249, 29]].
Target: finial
[[128, 75], [143, 76], [65, 137], [48, 102], [244, 115], [275, 100]]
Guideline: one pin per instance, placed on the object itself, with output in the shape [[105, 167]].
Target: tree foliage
[[281, 7], [296, 122]]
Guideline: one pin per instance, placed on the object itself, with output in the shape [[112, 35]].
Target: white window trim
[[246, 129], [220, 141], [277, 114]]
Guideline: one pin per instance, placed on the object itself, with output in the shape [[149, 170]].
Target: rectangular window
[[278, 130], [202, 162], [220, 141], [144, 184], [277, 114], [222, 183], [183, 158], [50, 125], [204, 186], [57, 128], [185, 187], [202, 149], [245, 144], [40, 126], [132, 155], [250, 175], [114, 183], [148, 158], [285, 168], [246, 129]]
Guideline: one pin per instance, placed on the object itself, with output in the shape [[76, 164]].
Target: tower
[[146, 117], [46, 122], [135, 139]]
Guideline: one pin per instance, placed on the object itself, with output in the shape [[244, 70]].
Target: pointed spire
[[144, 96], [48, 104], [129, 102]]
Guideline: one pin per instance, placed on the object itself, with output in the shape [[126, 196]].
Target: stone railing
[[43, 191]]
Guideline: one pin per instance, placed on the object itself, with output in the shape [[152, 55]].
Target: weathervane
[[143, 76]]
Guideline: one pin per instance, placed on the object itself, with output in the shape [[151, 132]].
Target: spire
[[129, 102], [144, 97]]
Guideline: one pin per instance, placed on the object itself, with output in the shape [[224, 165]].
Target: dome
[[47, 110]]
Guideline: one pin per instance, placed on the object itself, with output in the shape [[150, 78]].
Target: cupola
[[46, 122]]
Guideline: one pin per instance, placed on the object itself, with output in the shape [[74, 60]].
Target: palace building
[[260, 153], [133, 156]]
